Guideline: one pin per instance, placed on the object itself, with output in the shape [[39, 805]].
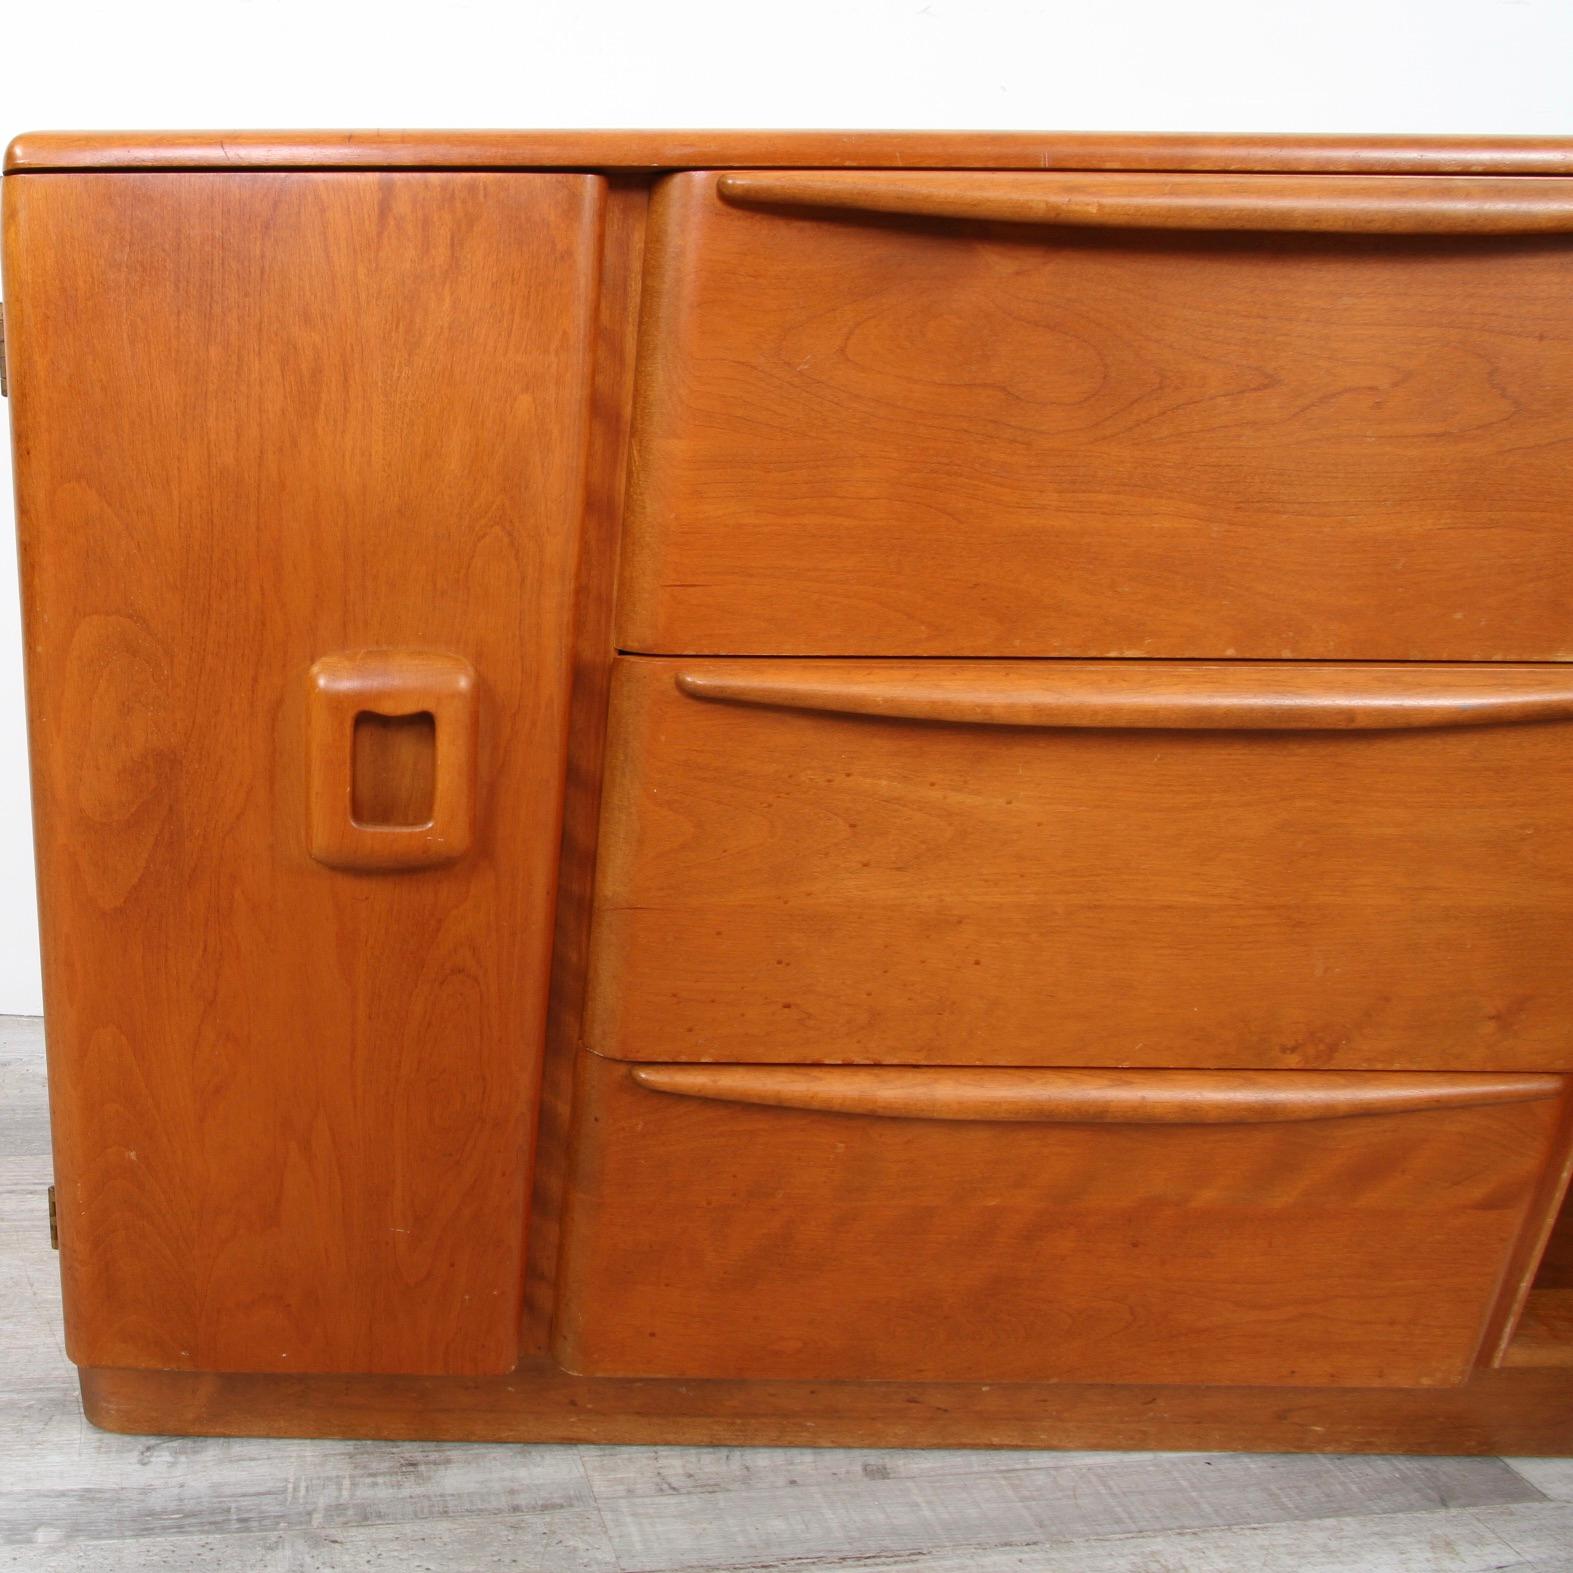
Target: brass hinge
[[54, 1222], [5, 391]]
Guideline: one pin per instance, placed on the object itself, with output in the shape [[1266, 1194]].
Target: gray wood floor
[[72, 1498]]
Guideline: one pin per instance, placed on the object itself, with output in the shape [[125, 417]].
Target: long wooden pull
[[1083, 1097], [1329, 204], [1274, 696]]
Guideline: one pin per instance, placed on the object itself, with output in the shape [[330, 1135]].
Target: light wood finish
[[1544, 1336], [654, 150], [869, 435], [1556, 1268], [793, 885], [1517, 1411], [616, 325], [359, 821], [1164, 696], [710, 1239], [1526, 1270], [394, 764], [1332, 204], [263, 419], [1090, 1097], [79, 1500], [301, 383]]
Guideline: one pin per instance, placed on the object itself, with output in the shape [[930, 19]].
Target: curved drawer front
[[1269, 865], [990, 1225], [1105, 415]]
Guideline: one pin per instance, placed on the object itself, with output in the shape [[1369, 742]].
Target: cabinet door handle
[[1165, 695], [1329, 204], [1087, 1097], [407, 801]]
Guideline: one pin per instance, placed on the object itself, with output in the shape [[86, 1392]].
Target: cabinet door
[[299, 466]]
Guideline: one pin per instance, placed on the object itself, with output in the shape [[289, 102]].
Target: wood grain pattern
[[259, 420], [1329, 204], [711, 1239], [885, 436], [1090, 1097], [1544, 1336], [394, 760], [360, 807], [1556, 1268], [75, 1499], [624, 1476], [793, 886], [611, 402], [1515, 1411], [291, 414], [1030, 1515], [1524, 1270], [652, 150], [1157, 695]]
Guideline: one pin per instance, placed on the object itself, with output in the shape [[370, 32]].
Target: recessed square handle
[[390, 780]]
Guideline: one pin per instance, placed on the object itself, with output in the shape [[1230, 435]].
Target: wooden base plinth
[[1523, 1411]]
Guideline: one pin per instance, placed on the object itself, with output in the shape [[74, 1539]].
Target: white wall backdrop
[[1207, 65]]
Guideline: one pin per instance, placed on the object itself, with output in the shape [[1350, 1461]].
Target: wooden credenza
[[817, 788]]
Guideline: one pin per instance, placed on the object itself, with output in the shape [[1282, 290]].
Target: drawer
[[1268, 865], [835, 1222], [1104, 415]]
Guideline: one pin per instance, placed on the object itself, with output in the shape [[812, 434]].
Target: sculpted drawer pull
[[1080, 1097], [391, 759], [1329, 204], [1165, 695]]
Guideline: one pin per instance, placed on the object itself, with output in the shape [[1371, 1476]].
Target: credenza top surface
[[648, 150]]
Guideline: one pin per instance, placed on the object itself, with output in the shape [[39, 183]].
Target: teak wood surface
[[1250, 204], [871, 423], [730, 1227], [262, 420], [382, 796], [37, 151], [1087, 863], [274, 408]]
